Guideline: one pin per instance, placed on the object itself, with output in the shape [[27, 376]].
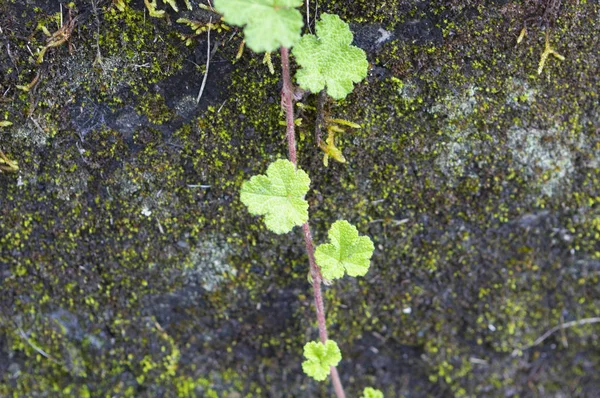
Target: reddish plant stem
[[287, 102], [337, 382], [315, 273]]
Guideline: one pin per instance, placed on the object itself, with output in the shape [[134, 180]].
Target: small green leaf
[[330, 60], [152, 10], [370, 392], [319, 357], [279, 196], [268, 24], [347, 252], [173, 4]]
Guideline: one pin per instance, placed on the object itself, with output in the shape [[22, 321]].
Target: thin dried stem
[[207, 64], [555, 329]]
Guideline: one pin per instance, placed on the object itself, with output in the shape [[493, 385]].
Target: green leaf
[[279, 196], [347, 252], [370, 392], [319, 357], [268, 24], [330, 60], [152, 10], [173, 4]]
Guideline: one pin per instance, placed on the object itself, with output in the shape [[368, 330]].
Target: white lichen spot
[[543, 155], [185, 106], [457, 105], [30, 134], [207, 264], [68, 186], [408, 89], [385, 36], [146, 211], [459, 149], [114, 71], [518, 94]]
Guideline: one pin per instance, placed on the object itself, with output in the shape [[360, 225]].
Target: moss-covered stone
[[129, 267]]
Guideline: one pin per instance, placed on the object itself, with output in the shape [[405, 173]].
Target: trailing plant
[[328, 63]]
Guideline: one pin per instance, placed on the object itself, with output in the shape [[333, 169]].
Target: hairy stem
[[315, 273], [287, 102]]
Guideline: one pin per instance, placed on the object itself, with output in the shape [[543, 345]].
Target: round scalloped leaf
[[319, 357], [347, 252], [279, 196], [268, 24], [329, 59], [370, 392]]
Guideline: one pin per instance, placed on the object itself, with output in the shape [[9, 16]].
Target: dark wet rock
[[129, 267], [370, 37], [419, 31]]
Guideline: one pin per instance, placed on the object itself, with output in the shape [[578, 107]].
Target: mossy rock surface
[[129, 266]]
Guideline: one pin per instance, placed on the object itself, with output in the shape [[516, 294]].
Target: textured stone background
[[129, 267]]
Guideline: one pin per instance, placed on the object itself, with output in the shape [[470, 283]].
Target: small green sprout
[[329, 145], [267, 61], [347, 252], [200, 27], [61, 36], [268, 24], [548, 50], [279, 196], [155, 12], [152, 10], [522, 35], [370, 392], [329, 60], [30, 85], [319, 358], [7, 165], [120, 4], [173, 4]]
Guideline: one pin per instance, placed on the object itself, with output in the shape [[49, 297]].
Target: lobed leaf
[[268, 24], [279, 196], [370, 392], [319, 357], [347, 252], [329, 59]]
